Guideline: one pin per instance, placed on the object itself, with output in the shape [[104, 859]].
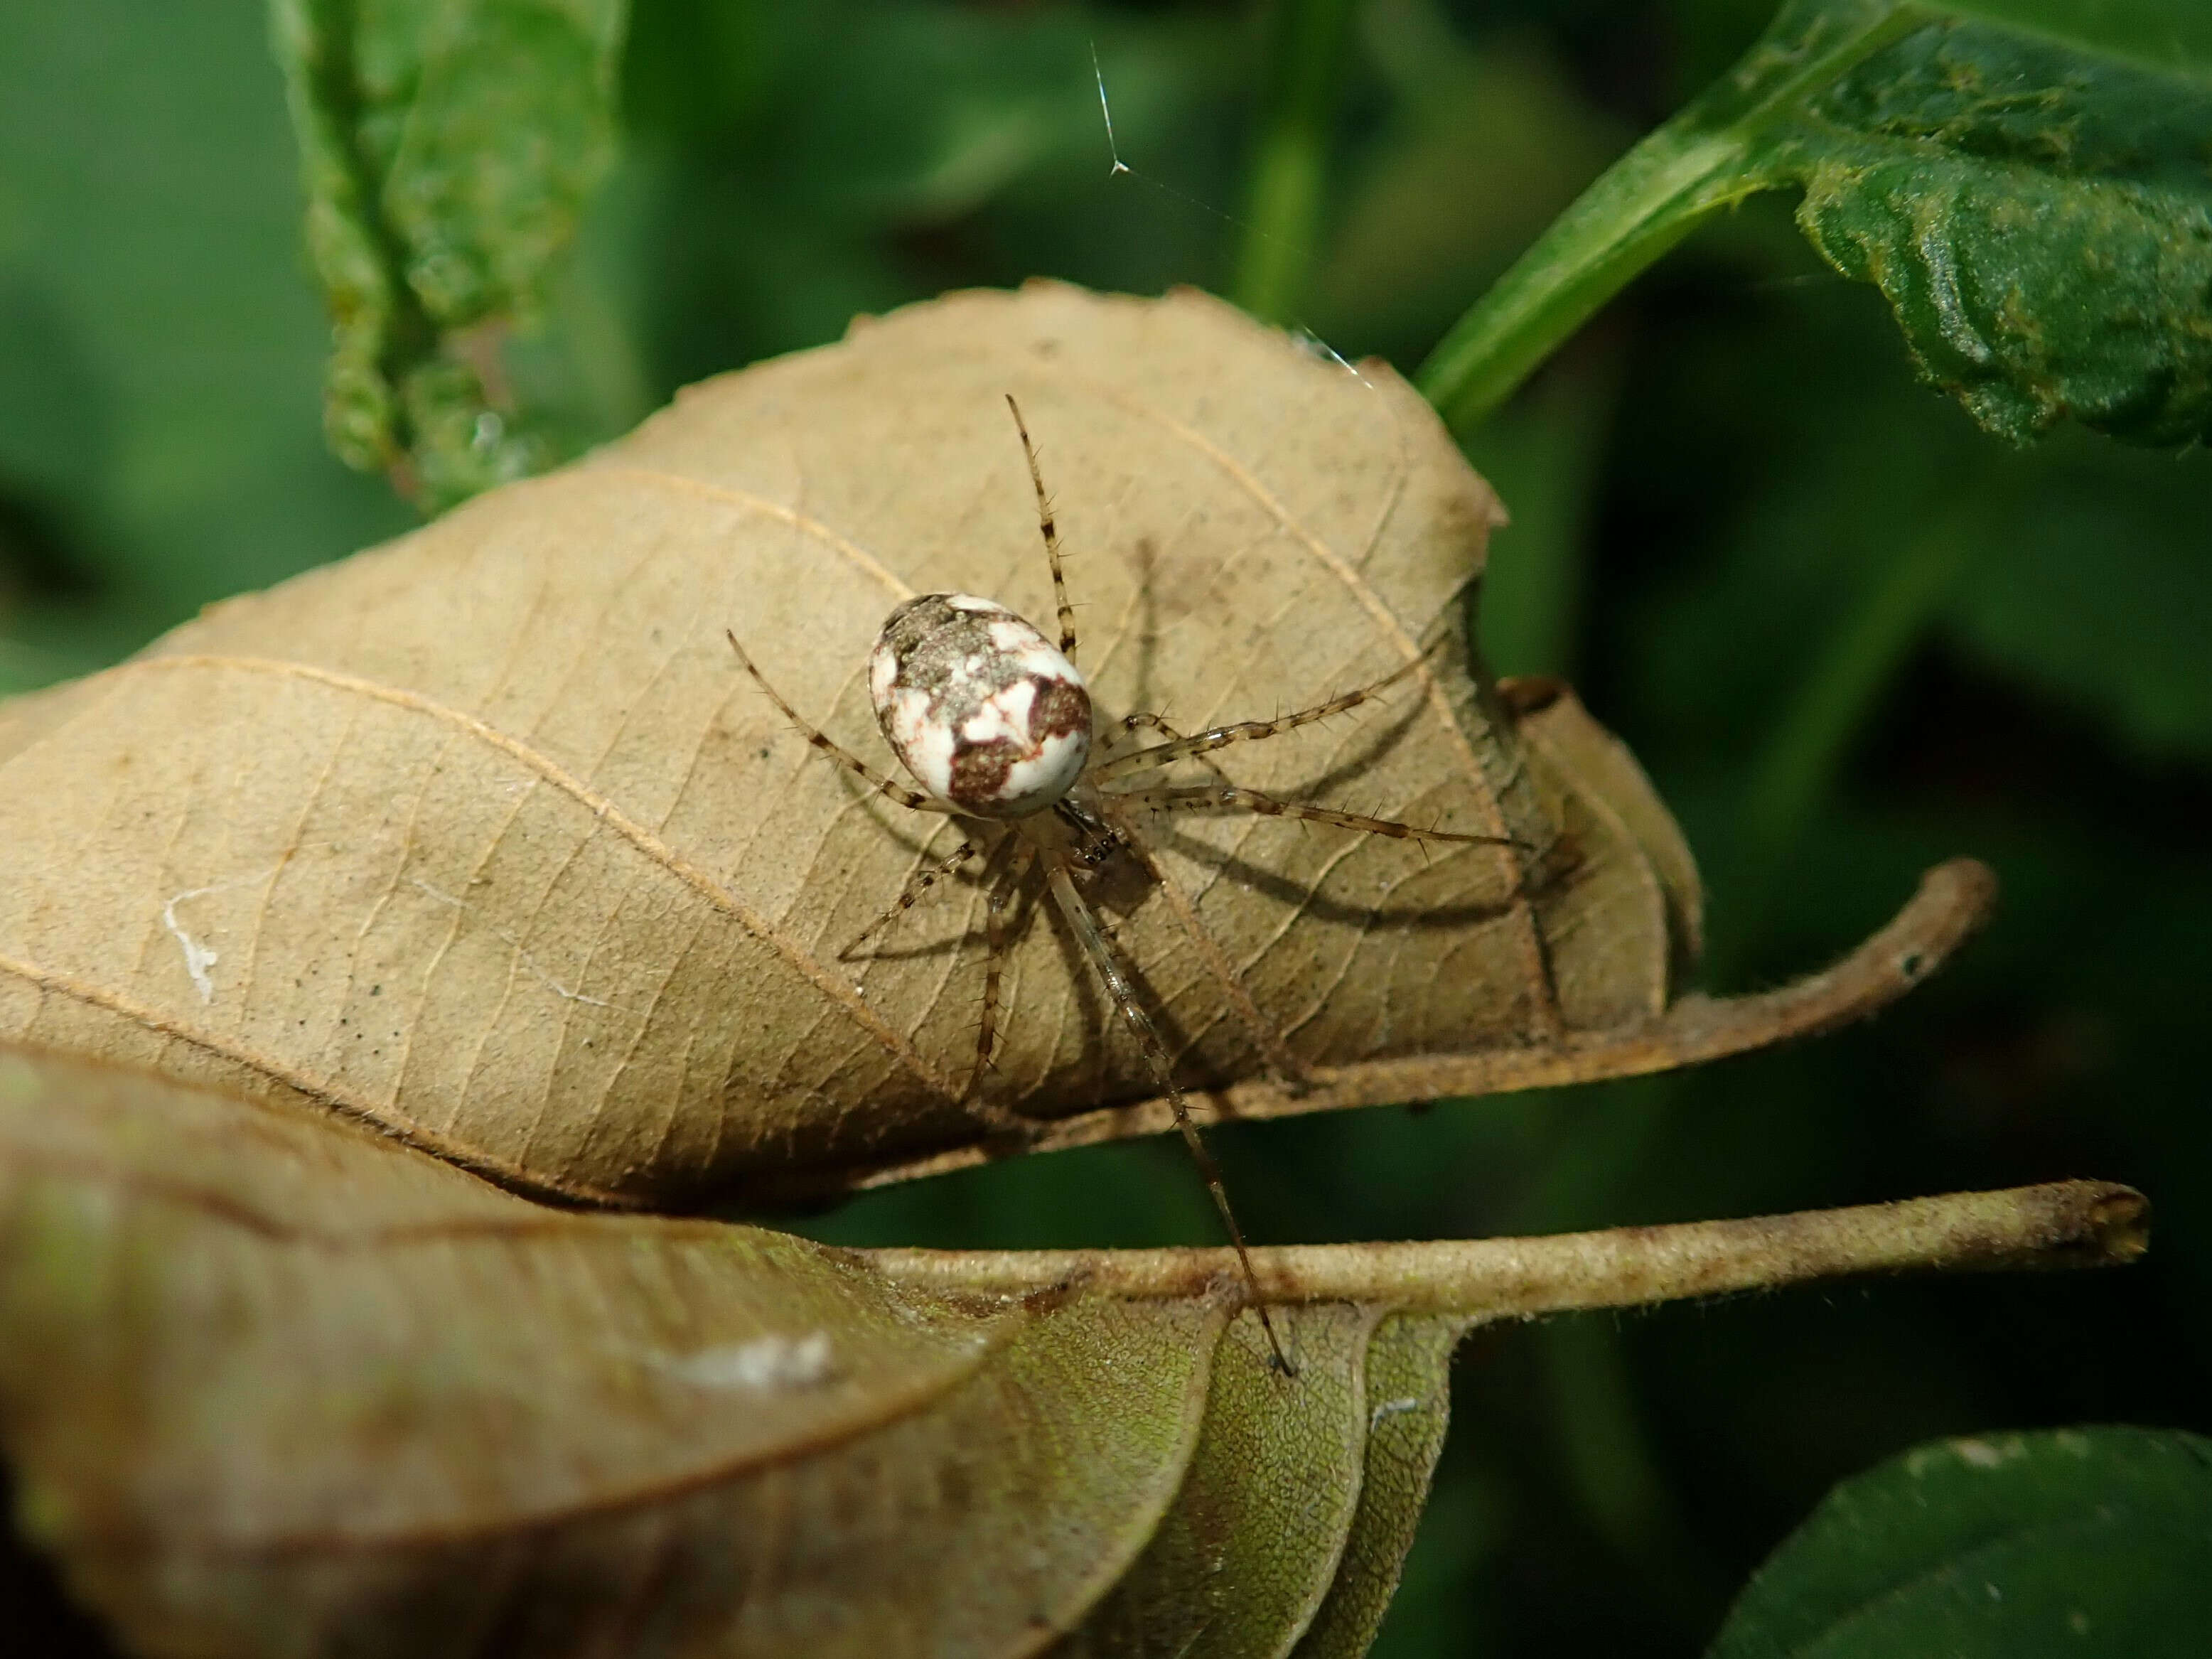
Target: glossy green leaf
[[447, 149], [2009, 1546]]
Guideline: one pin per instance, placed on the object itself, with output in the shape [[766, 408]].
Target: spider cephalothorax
[[995, 723]]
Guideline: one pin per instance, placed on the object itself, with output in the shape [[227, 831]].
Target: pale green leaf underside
[[275, 1386]]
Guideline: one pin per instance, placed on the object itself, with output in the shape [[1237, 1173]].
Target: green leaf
[[1408, 1407], [394, 1401], [2040, 223], [447, 149], [1672, 181], [2173, 35], [273, 1384], [2034, 203], [1303, 84], [1240, 1563], [2068, 1542]]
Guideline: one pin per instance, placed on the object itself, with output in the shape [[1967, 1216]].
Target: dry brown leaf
[[276, 1387], [482, 837]]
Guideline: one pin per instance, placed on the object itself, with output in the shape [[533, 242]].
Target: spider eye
[[979, 705]]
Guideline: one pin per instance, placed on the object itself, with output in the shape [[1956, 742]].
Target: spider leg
[[1197, 797], [1141, 720], [876, 780], [1087, 933], [1051, 534], [1220, 736], [917, 883], [1003, 890], [1280, 1060]]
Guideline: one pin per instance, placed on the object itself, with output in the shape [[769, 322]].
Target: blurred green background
[[1848, 634]]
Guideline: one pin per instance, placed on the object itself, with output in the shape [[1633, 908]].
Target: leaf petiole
[[2064, 1224]]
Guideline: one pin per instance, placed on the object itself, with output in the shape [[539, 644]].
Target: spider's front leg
[[1220, 736], [1230, 797], [917, 883], [844, 757], [1082, 923], [1281, 1060]]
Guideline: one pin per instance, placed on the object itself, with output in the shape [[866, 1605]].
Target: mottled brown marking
[[1060, 710], [979, 771], [934, 644]]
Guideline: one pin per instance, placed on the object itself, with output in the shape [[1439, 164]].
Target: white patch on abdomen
[[1050, 772], [1003, 717], [926, 745]]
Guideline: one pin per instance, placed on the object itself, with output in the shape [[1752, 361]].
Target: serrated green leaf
[[2070, 1541], [2034, 202], [448, 147], [2039, 222]]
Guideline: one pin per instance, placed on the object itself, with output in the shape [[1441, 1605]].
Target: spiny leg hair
[[1092, 940], [1198, 797], [1009, 863], [1274, 1047], [1220, 736], [917, 883], [876, 780], [1050, 532], [1143, 721]]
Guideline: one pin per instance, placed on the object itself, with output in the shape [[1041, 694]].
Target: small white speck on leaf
[[198, 958], [765, 1362], [1391, 1408]]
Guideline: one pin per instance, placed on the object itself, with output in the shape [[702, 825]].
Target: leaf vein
[[834, 989]]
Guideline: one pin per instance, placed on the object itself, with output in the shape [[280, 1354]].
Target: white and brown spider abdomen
[[979, 706]]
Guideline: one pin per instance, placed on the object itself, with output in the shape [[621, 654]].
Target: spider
[[996, 725]]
